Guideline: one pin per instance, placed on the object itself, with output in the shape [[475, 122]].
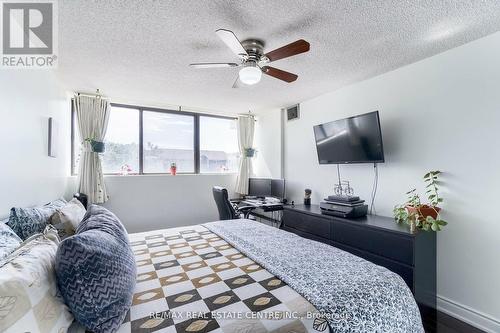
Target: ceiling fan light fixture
[[250, 74]]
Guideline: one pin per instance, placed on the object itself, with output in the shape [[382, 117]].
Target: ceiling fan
[[253, 60]]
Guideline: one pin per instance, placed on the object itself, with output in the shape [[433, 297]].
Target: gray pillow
[[67, 218], [29, 221], [9, 241], [96, 271]]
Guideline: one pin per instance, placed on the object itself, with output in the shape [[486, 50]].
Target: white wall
[[440, 113], [27, 175], [267, 140], [150, 202]]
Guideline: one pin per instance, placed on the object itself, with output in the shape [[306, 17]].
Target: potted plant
[[173, 168], [125, 169], [97, 146], [250, 152], [424, 216]]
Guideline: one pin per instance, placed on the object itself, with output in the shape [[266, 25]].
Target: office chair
[[226, 209]]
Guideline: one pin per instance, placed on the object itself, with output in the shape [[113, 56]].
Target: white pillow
[[29, 298], [67, 218]]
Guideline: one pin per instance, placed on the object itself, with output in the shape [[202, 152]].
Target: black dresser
[[377, 239]]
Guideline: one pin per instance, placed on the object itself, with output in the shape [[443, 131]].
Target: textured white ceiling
[[140, 50]]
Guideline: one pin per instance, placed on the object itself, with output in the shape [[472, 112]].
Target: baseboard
[[468, 315]]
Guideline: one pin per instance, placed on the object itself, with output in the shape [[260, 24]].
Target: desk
[[268, 211]]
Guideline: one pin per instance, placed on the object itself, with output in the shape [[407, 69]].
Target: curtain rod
[[179, 108], [97, 94], [250, 115]]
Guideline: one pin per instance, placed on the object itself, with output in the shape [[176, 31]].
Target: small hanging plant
[[424, 216], [97, 146], [250, 152]]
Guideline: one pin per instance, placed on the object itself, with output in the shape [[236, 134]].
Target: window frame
[[196, 136]]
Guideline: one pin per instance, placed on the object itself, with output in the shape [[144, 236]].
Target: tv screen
[[356, 139]]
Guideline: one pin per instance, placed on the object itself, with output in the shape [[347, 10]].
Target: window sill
[[169, 175], [166, 175]]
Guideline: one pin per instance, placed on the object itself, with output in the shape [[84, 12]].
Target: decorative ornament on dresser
[[173, 168], [307, 197], [420, 215]]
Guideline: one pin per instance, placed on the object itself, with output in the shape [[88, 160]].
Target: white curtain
[[92, 114], [246, 125]]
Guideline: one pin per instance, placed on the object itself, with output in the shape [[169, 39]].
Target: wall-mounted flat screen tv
[[356, 139]]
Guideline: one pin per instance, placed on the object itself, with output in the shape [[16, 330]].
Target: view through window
[[219, 150], [167, 137], [122, 142]]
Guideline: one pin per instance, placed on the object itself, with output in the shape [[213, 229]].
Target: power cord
[[373, 210]]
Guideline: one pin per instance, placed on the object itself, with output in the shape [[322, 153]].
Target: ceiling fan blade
[[230, 39], [297, 47], [279, 74], [213, 65]]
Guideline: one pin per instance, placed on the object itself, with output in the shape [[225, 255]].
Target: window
[[196, 143], [168, 138], [122, 142], [219, 150]]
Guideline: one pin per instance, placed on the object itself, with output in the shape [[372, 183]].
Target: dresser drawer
[[310, 224], [307, 235], [386, 244], [406, 272]]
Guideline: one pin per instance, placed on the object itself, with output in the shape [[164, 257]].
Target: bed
[[183, 273], [233, 276]]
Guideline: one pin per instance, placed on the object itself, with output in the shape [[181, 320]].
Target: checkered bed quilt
[[191, 280]]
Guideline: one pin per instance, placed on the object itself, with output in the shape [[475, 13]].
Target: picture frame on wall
[[52, 138]]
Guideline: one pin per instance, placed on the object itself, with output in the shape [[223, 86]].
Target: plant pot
[[173, 171], [424, 211], [249, 152], [97, 146]]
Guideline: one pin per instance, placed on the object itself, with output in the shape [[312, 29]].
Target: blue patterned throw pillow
[[9, 241], [29, 221], [96, 271]]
